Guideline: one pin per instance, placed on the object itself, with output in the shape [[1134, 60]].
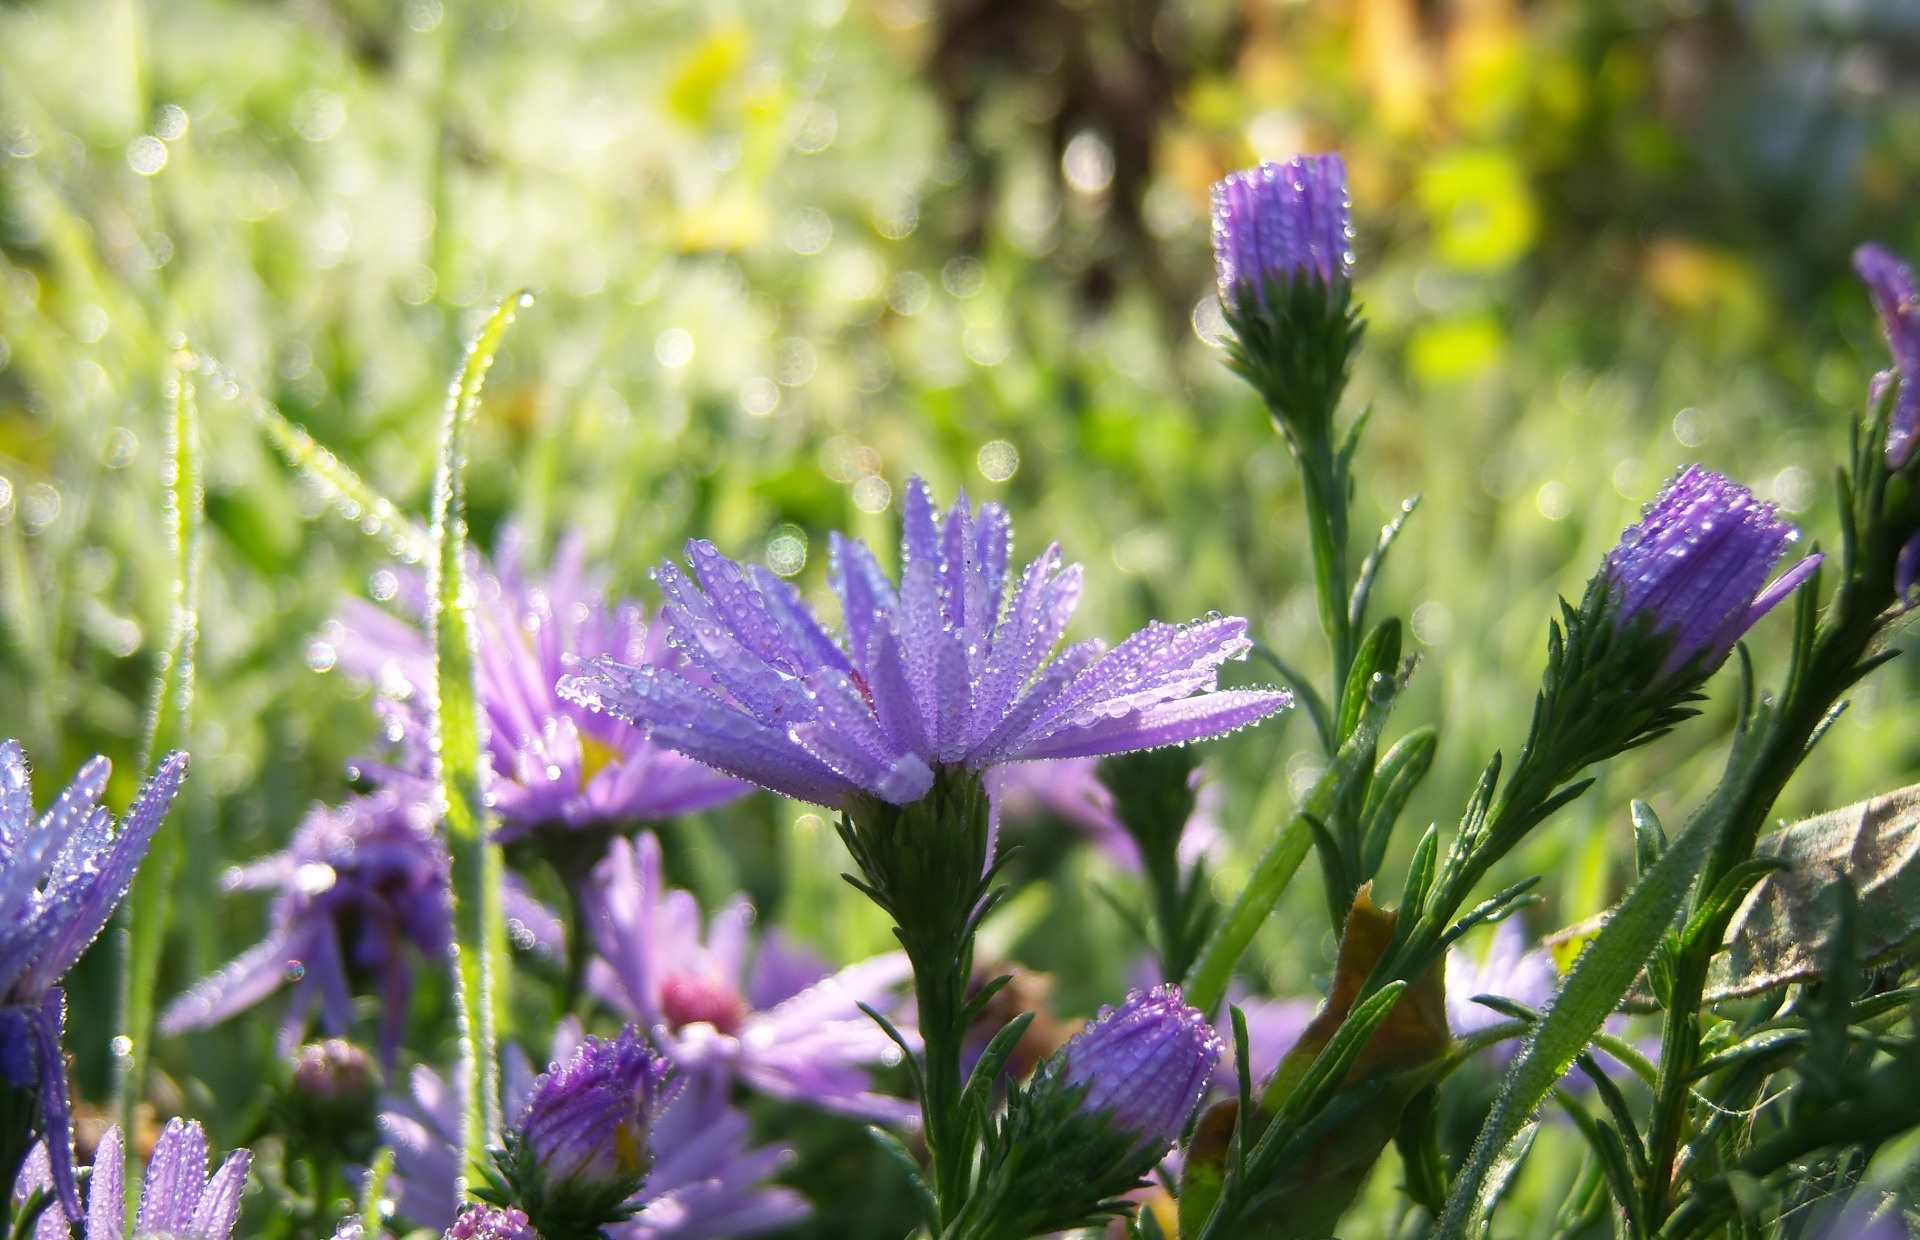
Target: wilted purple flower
[[706, 1182], [586, 1124], [787, 1029], [1280, 221], [1696, 565], [177, 1200], [1070, 789], [1146, 1064], [484, 1222], [552, 762], [357, 885], [61, 876], [951, 669], [1891, 284]]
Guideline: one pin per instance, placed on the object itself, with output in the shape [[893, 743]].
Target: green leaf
[[480, 938], [1400, 771]]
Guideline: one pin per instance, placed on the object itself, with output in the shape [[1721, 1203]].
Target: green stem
[[1325, 492], [1206, 981]]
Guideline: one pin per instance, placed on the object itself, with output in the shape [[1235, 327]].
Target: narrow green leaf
[[480, 939], [144, 914]]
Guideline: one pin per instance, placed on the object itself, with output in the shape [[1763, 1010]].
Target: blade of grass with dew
[[351, 496], [459, 747], [144, 914]]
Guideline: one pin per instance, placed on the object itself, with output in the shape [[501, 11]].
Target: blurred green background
[[787, 254]]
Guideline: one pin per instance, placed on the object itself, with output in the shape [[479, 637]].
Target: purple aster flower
[[950, 669], [1508, 971], [1070, 790], [178, 1201], [1895, 296], [61, 876], [553, 762], [706, 1182], [357, 885], [1281, 221], [1696, 566], [484, 1222], [1145, 1064], [786, 1028]]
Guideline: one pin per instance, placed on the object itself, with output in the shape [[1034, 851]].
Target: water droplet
[[122, 1046], [295, 970], [1380, 689], [321, 656]]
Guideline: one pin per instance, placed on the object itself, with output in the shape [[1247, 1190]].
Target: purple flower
[[585, 1127], [1696, 566], [482, 1222], [951, 669], [357, 885], [177, 1201], [553, 762], [1508, 971], [1069, 789], [1891, 284], [1145, 1064], [786, 1029], [706, 1181], [1281, 221], [61, 876]]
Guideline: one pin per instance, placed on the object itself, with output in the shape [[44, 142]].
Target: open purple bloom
[[1895, 295], [1697, 563], [61, 876], [552, 762], [952, 668], [178, 1201], [586, 1124], [1146, 1064], [1509, 970], [357, 885], [483, 1222], [1280, 221], [707, 1182], [786, 1028]]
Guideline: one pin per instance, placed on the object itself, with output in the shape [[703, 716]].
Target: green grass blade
[[144, 914], [1600, 979], [479, 926]]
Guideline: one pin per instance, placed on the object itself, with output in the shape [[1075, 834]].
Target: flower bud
[[1896, 296], [1145, 1065], [332, 1071], [1281, 222], [479, 1222], [1696, 567]]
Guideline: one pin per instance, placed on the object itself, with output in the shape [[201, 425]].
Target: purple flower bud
[[1145, 1064], [1279, 221], [585, 1127], [333, 1071], [1895, 295], [491, 1223], [1696, 565]]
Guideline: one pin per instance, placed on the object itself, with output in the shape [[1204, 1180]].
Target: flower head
[[1696, 567], [1282, 221], [785, 1027], [553, 763], [1508, 970], [61, 876], [952, 668], [1145, 1064], [484, 1222], [178, 1200], [585, 1126], [706, 1181], [357, 885], [1895, 295]]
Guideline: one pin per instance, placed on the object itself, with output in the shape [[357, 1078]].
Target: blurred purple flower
[[553, 762], [1146, 1064], [1696, 565], [61, 876], [1069, 789], [177, 1200], [356, 885], [586, 1124], [706, 1182], [787, 1029], [1509, 970], [483, 1222], [950, 669], [1895, 296], [1279, 221]]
